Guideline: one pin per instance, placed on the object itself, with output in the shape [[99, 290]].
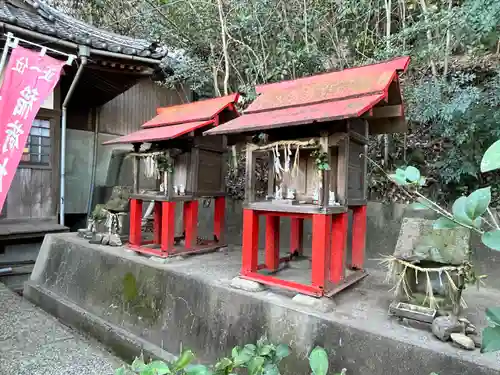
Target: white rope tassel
[[287, 153], [295, 168], [277, 163]]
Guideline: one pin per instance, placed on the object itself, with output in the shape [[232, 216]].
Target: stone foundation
[[131, 303]]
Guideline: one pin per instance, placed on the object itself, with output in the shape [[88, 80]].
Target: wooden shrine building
[[187, 166], [314, 132]]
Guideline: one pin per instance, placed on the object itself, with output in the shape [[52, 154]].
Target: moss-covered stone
[[419, 241]]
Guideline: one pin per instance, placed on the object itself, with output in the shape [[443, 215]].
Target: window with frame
[[38, 147]]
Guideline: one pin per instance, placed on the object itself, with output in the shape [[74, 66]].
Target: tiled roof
[[41, 18]]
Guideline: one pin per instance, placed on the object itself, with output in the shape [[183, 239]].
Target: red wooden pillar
[[135, 236], [191, 223], [320, 250], [338, 247], [220, 208], [157, 223], [184, 220], [358, 236], [297, 235], [272, 242], [167, 226], [250, 248]]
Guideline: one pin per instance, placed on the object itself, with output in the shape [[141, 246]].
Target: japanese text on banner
[[29, 79]]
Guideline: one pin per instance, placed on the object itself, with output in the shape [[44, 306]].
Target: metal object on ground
[[414, 312]]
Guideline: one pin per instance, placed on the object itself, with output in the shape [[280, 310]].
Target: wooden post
[[219, 215], [167, 226], [297, 236], [250, 248], [358, 236], [191, 224], [325, 175], [169, 181], [135, 236], [272, 242], [270, 175], [249, 174], [136, 169], [320, 250], [338, 247], [342, 170]]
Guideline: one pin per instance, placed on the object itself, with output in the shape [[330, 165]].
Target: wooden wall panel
[[30, 195], [127, 112], [209, 171]]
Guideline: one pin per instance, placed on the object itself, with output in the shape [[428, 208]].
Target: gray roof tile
[[46, 20]]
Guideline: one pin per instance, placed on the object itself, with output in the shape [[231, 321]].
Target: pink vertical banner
[[29, 78]]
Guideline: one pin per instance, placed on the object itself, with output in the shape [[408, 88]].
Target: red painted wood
[[358, 236], [338, 247], [135, 235], [289, 285], [219, 216], [157, 223], [191, 223], [250, 246], [320, 250], [167, 226], [297, 235], [272, 242]]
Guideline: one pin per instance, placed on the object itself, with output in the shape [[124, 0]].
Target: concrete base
[[320, 304], [130, 301]]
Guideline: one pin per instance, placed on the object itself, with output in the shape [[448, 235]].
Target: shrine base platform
[[132, 303]]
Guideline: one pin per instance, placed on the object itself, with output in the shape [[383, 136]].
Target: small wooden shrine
[[314, 133], [185, 166]]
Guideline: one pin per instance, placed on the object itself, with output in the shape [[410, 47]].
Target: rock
[[465, 320], [105, 239], [83, 231], [320, 304], [444, 326], [463, 341], [477, 340], [470, 330], [96, 239], [222, 249], [248, 285], [114, 240]]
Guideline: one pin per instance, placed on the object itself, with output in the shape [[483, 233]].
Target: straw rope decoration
[[397, 270], [287, 154]]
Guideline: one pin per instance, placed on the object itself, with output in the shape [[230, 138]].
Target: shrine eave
[[324, 97], [160, 133], [302, 115], [202, 110]]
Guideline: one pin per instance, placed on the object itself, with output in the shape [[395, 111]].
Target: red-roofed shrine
[[314, 133], [186, 166]]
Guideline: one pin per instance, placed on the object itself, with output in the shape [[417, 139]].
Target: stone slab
[[190, 303], [418, 240]]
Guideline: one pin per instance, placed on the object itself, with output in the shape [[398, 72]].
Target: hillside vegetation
[[452, 89]]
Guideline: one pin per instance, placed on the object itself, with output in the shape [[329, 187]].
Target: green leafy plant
[[164, 163], [321, 160], [262, 358], [178, 367]]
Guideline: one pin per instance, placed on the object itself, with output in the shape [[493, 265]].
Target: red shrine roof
[[202, 110], [323, 97], [172, 122]]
